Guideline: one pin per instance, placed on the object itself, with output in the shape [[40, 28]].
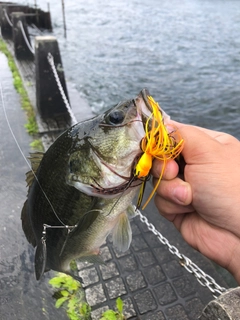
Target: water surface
[[186, 52]]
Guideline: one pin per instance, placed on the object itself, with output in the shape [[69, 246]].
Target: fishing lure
[[158, 143]]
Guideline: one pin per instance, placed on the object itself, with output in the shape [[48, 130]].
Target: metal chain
[[204, 279], [7, 17], [65, 100], [25, 37]]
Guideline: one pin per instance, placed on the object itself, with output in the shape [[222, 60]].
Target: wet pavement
[[148, 277], [21, 296]]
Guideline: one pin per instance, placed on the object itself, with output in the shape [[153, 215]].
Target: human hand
[[205, 205]]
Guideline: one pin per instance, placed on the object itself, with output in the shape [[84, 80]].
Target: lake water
[[187, 53]]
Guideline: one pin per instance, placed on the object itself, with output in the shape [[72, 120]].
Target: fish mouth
[[144, 93], [144, 107], [108, 192], [95, 190]]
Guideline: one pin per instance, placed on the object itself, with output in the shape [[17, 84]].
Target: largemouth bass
[[82, 188]]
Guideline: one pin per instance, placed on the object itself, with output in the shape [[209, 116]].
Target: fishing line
[[25, 159], [121, 195]]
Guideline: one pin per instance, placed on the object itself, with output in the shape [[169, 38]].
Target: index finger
[[170, 171], [222, 137]]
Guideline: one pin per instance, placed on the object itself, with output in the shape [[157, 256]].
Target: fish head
[[102, 161]]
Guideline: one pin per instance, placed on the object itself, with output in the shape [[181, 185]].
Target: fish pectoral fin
[[131, 212], [26, 226], [122, 233], [35, 159]]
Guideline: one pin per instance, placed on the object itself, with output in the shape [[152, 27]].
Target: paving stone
[[176, 312], [154, 274], [136, 281], [159, 315], [115, 288], [109, 270], [152, 240], [128, 308], [146, 258], [162, 254], [135, 229], [127, 264], [194, 308], [95, 295], [97, 313], [105, 254], [89, 276], [184, 286], [173, 269], [165, 294], [138, 243], [145, 301]]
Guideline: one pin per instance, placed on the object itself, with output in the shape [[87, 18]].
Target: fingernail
[[180, 193]]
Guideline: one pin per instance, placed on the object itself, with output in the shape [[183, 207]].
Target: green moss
[[37, 145], [70, 296], [31, 126]]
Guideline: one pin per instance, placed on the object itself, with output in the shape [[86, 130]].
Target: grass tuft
[[31, 125]]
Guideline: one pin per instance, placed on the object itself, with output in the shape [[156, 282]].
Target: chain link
[[204, 279], [65, 100]]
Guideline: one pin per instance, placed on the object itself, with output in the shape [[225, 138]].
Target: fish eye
[[115, 117]]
